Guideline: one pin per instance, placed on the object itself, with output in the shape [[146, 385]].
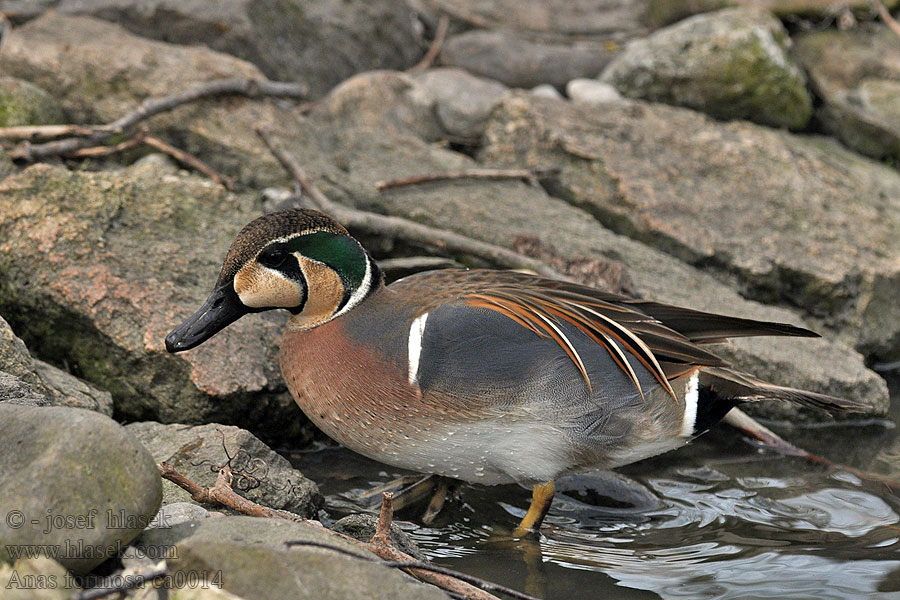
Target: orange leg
[[541, 498]]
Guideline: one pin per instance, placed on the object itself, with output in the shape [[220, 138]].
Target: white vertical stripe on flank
[[416, 333]]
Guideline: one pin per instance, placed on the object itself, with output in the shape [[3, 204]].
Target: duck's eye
[[272, 257]]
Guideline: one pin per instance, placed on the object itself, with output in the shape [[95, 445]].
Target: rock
[[22, 103], [176, 513], [60, 53], [502, 211], [377, 100], [592, 91], [731, 64], [38, 578], [250, 556], [829, 245], [462, 101], [99, 266], [318, 42], [557, 19], [201, 593], [664, 12], [48, 385], [260, 474], [362, 527], [518, 61], [857, 75], [14, 390], [81, 486], [545, 90]]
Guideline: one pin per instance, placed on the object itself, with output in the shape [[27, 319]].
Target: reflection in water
[[719, 519]]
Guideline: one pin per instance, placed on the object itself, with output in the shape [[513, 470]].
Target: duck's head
[[301, 260]]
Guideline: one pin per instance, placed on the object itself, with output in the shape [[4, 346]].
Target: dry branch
[[403, 228], [34, 132], [250, 88], [531, 176], [98, 151], [189, 160], [886, 16], [222, 493], [768, 438], [435, 48]]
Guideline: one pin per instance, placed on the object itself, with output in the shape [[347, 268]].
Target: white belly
[[489, 452]]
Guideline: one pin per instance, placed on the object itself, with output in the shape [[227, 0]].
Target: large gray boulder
[[857, 75], [792, 219], [533, 42], [99, 266], [75, 484], [319, 42], [462, 101], [260, 474], [665, 12], [517, 60], [732, 64], [42, 384]]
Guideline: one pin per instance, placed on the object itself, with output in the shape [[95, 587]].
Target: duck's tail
[[742, 387]]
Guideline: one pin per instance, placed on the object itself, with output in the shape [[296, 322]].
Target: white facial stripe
[[416, 334], [361, 291], [691, 397]]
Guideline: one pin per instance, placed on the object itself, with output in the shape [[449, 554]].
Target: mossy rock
[[22, 103], [731, 64]]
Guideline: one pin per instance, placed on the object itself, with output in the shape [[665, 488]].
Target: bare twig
[[98, 151], [747, 424], [886, 16], [435, 48], [34, 132], [404, 228], [385, 518], [532, 176], [136, 579], [189, 160], [222, 493], [251, 88]]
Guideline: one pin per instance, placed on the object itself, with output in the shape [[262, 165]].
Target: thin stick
[[385, 519], [886, 16], [189, 160], [33, 132], [250, 88], [532, 176], [98, 151], [403, 228], [435, 48]]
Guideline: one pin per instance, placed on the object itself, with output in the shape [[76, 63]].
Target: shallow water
[[722, 518]]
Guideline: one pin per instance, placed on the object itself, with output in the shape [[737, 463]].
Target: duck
[[485, 376]]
